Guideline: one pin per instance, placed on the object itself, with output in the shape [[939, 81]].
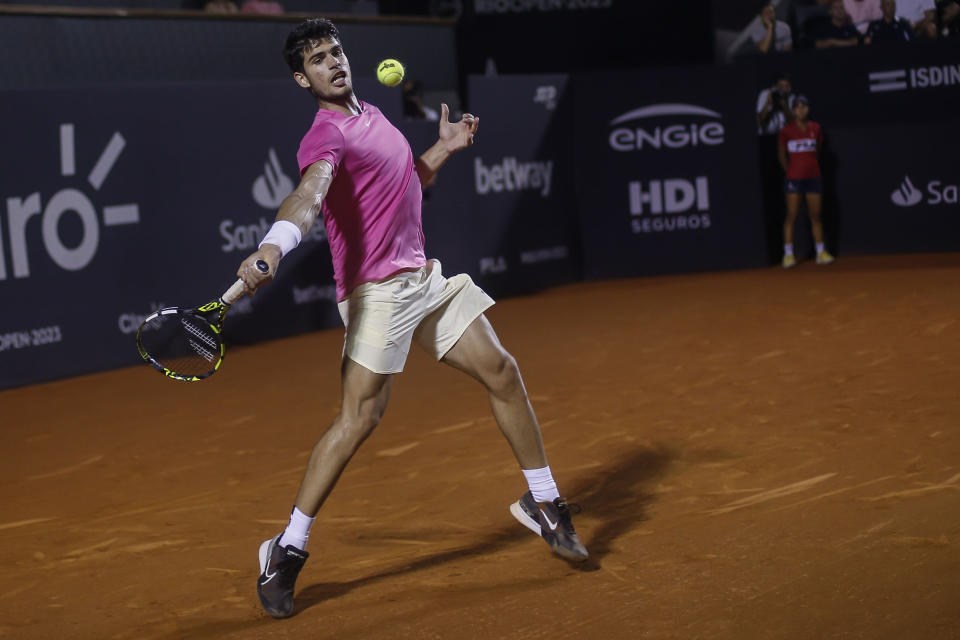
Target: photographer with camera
[[775, 106]]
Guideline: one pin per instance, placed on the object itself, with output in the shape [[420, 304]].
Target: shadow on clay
[[617, 496]]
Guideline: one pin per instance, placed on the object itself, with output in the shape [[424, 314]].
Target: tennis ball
[[390, 72]]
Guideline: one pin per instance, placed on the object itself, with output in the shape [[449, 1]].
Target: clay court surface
[[758, 454]]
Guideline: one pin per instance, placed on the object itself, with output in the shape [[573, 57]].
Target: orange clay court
[[758, 454]]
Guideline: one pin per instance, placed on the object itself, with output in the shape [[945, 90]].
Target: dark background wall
[[588, 35], [196, 109], [64, 51]]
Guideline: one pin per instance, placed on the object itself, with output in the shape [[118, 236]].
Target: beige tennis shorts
[[382, 318]]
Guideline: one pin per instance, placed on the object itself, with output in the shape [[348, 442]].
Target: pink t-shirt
[[372, 210]]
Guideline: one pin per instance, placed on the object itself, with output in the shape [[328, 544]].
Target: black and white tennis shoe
[[279, 568], [553, 523]]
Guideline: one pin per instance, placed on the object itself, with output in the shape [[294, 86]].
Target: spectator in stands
[[269, 7], [863, 12], [770, 34], [922, 15], [809, 18], [775, 106], [949, 12], [839, 31], [889, 28]]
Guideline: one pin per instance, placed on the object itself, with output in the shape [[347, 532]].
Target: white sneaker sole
[[517, 512], [264, 554]]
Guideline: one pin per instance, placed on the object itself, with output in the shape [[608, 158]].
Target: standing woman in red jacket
[[799, 146]]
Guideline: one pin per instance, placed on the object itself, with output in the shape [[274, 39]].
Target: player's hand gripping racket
[[187, 344]]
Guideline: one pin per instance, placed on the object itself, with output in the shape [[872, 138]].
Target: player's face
[[326, 71]]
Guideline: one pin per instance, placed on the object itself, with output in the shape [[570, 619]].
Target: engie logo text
[[666, 126]]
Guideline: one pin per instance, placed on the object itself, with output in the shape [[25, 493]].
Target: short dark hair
[[306, 35]]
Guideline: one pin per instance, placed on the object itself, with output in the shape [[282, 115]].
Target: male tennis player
[[359, 170], [798, 148]]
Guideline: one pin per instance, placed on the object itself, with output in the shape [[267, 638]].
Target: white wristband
[[284, 234]]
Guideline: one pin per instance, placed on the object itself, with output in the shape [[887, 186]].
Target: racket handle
[[236, 290]]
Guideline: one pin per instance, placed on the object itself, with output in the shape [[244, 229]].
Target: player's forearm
[[298, 212], [300, 209], [303, 205], [428, 164]]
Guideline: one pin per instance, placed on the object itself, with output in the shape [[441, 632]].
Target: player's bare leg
[[479, 354], [364, 400], [814, 207], [793, 208], [281, 558]]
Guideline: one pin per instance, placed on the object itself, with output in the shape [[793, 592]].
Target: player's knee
[[353, 427], [505, 374], [368, 418]]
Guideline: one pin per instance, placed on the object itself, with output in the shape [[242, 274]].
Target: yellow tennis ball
[[390, 72]]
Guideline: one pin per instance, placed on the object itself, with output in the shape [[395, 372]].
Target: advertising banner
[[523, 233], [876, 84], [559, 36], [667, 172], [908, 200], [117, 201]]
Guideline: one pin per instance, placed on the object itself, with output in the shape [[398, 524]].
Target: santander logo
[[906, 195]]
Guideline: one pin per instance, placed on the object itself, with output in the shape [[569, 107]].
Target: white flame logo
[[273, 186], [906, 195]]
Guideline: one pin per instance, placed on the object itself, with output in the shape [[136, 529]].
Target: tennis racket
[[187, 344]]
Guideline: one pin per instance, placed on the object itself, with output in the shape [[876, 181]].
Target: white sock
[[819, 247], [541, 483], [788, 249], [298, 530]]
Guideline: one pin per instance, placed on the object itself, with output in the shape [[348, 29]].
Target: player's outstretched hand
[[457, 136]]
